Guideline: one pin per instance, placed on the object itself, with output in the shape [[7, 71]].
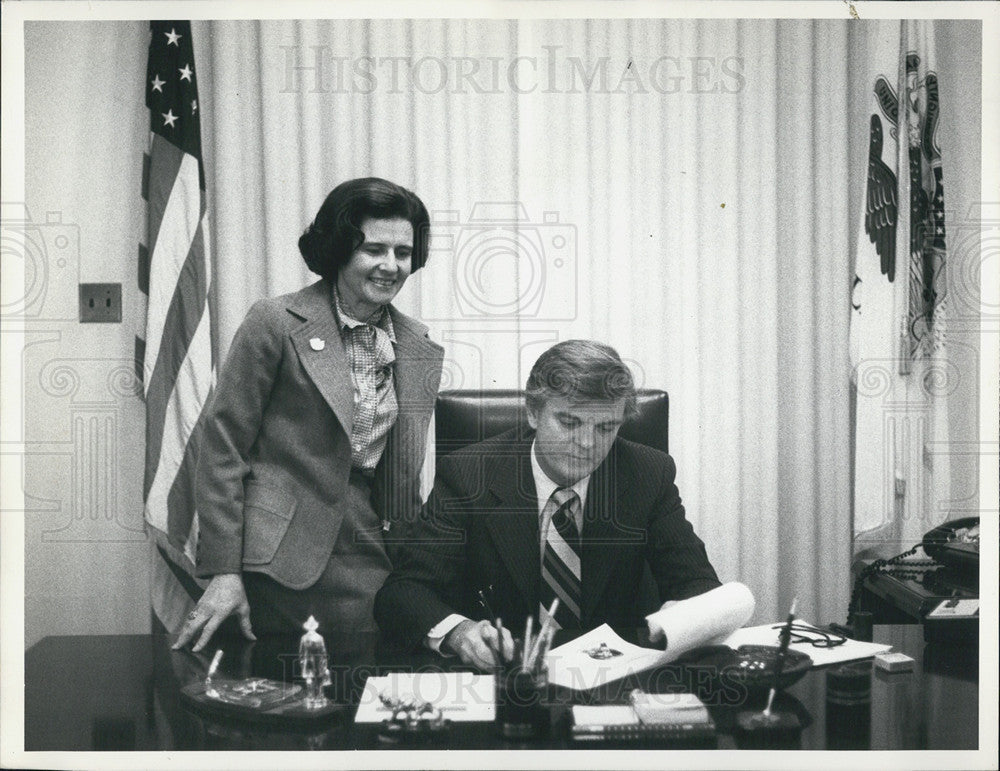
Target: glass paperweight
[[313, 661], [253, 693]]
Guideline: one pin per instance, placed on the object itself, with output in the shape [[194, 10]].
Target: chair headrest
[[467, 417]]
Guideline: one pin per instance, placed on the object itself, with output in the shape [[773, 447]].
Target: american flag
[[175, 356]]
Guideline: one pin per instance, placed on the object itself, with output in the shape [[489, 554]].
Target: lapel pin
[[317, 343]]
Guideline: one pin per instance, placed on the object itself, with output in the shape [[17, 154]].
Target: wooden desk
[[123, 693]]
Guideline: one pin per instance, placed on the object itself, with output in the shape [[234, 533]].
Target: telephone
[[955, 543], [951, 570]]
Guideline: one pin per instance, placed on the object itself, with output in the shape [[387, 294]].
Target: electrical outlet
[[100, 303]]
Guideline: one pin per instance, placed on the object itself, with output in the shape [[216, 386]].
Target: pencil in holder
[[522, 710]]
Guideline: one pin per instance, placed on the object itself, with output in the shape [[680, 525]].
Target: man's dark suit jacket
[[479, 528]]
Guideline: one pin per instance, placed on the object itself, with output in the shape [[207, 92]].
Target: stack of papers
[[600, 656]]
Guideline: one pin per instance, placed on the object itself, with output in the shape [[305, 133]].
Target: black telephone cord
[[884, 566]]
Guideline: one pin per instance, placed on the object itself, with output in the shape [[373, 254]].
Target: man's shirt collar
[[544, 487]]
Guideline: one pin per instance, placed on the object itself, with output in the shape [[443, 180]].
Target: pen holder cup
[[522, 711]]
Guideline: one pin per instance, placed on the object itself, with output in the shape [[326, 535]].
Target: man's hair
[[329, 242], [580, 370]]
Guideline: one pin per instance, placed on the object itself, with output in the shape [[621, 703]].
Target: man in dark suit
[[568, 511]]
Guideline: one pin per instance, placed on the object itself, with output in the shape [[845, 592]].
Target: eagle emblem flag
[[898, 318]]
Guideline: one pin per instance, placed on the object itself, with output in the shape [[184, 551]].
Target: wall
[[85, 549]]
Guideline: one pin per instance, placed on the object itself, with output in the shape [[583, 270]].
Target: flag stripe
[[180, 498], [171, 253], [172, 591], [165, 164], [140, 357], [145, 177], [184, 578], [183, 409], [143, 269], [185, 315]]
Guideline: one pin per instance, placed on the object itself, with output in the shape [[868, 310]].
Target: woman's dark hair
[[335, 234]]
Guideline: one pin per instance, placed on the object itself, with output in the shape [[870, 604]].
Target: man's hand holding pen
[[477, 643]]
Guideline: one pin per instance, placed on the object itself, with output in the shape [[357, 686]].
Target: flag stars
[[157, 83], [169, 118], [172, 38], [194, 105], [186, 73]]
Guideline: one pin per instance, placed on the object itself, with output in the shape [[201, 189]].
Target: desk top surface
[[123, 692]]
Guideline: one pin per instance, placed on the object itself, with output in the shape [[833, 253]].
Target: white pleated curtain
[[703, 232]]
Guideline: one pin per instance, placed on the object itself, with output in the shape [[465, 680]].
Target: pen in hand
[[504, 658], [486, 604]]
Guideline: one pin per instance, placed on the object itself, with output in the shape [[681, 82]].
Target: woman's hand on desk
[[223, 597], [474, 642]]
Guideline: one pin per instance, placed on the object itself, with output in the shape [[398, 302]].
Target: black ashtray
[[754, 666], [751, 666]]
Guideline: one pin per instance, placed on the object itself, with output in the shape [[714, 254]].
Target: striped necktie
[[561, 560]]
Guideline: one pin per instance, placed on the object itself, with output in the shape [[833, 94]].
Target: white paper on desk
[[767, 634], [702, 620], [574, 665], [689, 623], [461, 696]]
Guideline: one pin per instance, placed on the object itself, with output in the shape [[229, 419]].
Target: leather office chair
[[467, 417]]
